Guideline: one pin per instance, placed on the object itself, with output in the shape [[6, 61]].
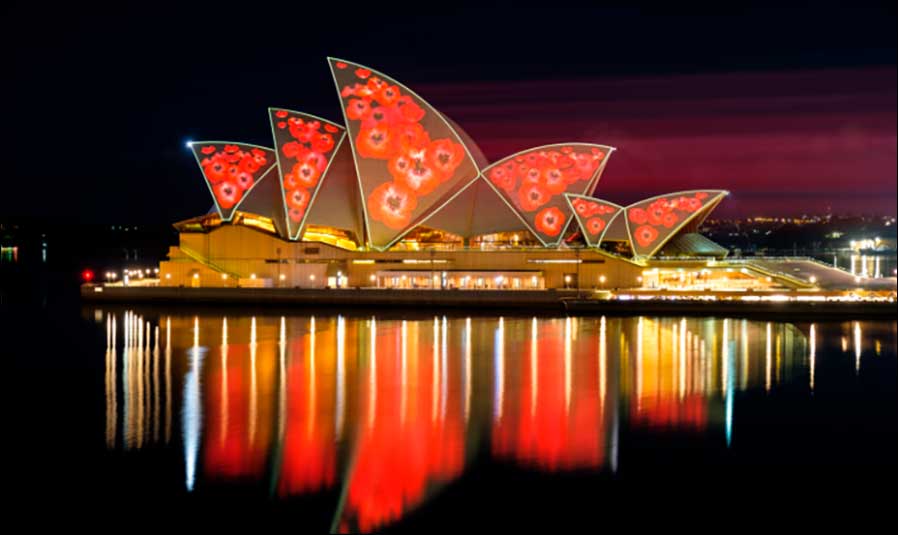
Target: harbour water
[[390, 420]]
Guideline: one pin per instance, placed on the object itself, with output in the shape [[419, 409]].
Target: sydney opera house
[[399, 196]]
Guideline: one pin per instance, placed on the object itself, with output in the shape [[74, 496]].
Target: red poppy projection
[[231, 171], [409, 160], [534, 182], [651, 222], [305, 146], [594, 216]]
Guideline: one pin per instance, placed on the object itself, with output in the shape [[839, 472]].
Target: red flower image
[[306, 174], [645, 235], [322, 143], [502, 178], [316, 159], [291, 182], [532, 196], [381, 116], [595, 225], [245, 180], [216, 172], [420, 177], [298, 198], [417, 148], [340, 65], [586, 164], [399, 166], [637, 215], [409, 110], [387, 95], [375, 84], [305, 147], [582, 207], [249, 164], [670, 219], [550, 221], [554, 181], [293, 149], [409, 136], [227, 194], [231, 171], [445, 155], [656, 214], [358, 109], [282, 125], [392, 204], [301, 131], [281, 114], [374, 143], [532, 176], [692, 204], [701, 195], [295, 214]]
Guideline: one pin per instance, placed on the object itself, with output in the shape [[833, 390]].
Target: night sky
[[792, 110]]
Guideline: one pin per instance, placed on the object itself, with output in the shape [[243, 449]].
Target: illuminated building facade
[[398, 196]]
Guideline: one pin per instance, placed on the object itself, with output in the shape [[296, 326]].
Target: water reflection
[[384, 412]]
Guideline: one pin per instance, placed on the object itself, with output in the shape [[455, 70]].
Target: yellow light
[[252, 275], [602, 279], [311, 277], [168, 275], [282, 276], [365, 261], [373, 278], [813, 279], [224, 276], [196, 275]]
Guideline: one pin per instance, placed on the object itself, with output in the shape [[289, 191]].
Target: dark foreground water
[[130, 417]]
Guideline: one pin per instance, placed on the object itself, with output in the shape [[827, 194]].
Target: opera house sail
[[398, 195]]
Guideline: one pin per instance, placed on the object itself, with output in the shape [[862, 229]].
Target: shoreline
[[557, 301]]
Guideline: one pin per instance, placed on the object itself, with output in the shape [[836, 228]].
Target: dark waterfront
[[334, 420]]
